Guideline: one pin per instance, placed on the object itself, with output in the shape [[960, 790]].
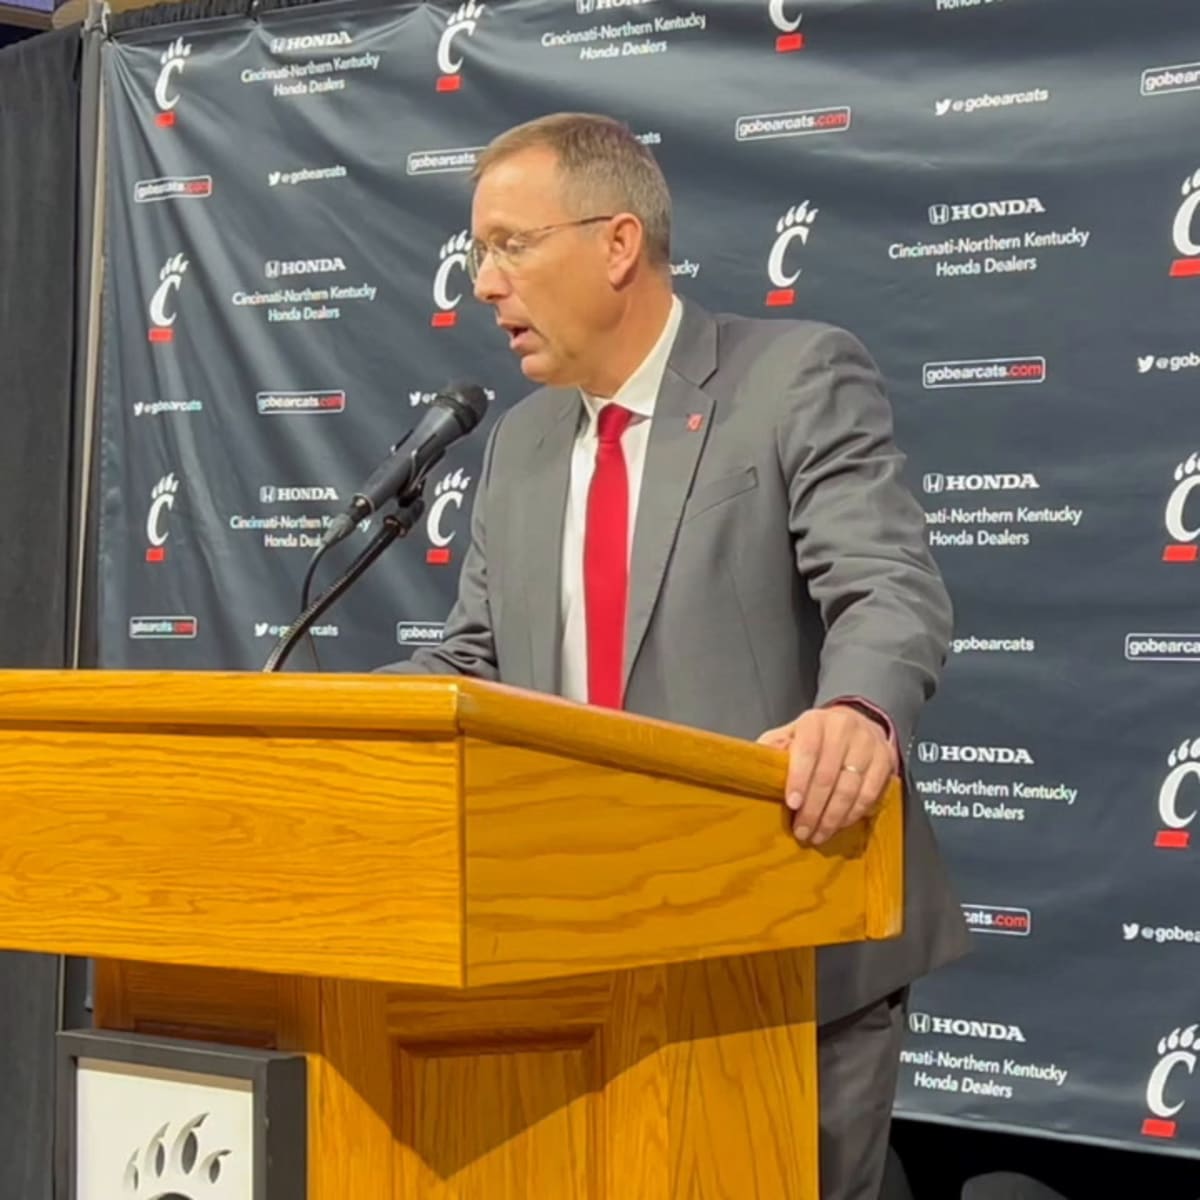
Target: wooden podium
[[533, 951]]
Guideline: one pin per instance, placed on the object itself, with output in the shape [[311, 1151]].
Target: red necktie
[[606, 561]]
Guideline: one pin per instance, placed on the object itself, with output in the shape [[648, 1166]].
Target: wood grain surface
[[295, 855], [575, 867], [690, 1081]]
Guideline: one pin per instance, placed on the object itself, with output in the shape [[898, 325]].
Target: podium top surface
[[415, 707], [405, 830]]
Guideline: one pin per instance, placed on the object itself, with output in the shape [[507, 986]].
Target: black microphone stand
[[395, 525]]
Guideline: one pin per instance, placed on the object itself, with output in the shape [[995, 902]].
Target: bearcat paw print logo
[[794, 226], [175, 54], [798, 214], [456, 246], [1189, 466], [449, 493], [1186, 751], [453, 256], [1183, 229], [168, 485], [1183, 532], [465, 16], [1179, 1039], [173, 269], [170, 279], [174, 1167], [173, 60], [456, 481], [462, 23]]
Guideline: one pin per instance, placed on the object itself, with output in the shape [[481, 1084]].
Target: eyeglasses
[[507, 253]]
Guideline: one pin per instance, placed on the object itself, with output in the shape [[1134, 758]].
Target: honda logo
[[919, 1022], [939, 214], [267, 494], [934, 482], [929, 752]]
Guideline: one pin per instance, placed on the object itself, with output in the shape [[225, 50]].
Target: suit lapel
[[540, 533], [678, 432]]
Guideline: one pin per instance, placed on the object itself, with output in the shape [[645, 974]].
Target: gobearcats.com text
[[1149, 645]]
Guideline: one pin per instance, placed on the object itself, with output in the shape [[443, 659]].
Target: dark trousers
[[858, 1063]]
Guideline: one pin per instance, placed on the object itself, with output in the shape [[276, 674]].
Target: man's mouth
[[518, 335]]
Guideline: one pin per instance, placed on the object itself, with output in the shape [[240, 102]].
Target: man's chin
[[538, 368]]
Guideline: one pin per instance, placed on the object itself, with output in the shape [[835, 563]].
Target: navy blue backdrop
[[999, 196]]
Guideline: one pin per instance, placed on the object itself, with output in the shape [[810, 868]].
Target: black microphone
[[452, 415]]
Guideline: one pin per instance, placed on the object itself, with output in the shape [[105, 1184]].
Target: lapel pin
[[694, 421]]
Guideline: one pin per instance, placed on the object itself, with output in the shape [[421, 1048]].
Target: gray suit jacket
[[778, 563]]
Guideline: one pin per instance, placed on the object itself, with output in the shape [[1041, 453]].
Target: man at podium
[[724, 542]]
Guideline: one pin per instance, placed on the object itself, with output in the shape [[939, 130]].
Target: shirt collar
[[640, 391]]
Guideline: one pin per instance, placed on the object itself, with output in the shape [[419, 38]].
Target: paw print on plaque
[[177, 1165]]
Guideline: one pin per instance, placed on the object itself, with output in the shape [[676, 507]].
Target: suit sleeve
[[468, 646], [859, 535]]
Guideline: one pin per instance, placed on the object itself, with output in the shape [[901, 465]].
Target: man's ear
[[625, 240]]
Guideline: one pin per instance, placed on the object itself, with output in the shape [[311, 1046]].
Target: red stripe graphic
[[1185, 268], [1153, 1127], [443, 320], [162, 335], [1180, 553], [785, 43], [439, 556], [156, 553], [449, 83], [781, 297], [1172, 839]]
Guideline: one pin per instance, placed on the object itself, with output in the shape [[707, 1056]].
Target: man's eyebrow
[[497, 232]]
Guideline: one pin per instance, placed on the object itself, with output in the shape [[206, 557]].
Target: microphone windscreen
[[469, 402]]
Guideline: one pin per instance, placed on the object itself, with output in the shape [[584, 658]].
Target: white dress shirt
[[638, 394]]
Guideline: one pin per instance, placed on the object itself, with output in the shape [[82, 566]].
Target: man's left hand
[[840, 762]]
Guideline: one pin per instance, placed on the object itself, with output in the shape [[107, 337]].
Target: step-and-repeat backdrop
[[999, 197]]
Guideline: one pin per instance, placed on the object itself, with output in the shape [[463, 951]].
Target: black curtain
[[39, 106], [39, 101], [186, 11]]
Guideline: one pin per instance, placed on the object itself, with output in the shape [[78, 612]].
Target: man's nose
[[490, 282]]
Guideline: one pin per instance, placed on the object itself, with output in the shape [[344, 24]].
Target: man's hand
[[840, 764]]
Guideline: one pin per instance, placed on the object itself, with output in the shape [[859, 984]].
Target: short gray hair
[[600, 162]]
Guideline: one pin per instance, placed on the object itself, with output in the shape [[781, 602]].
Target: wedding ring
[[852, 770]]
